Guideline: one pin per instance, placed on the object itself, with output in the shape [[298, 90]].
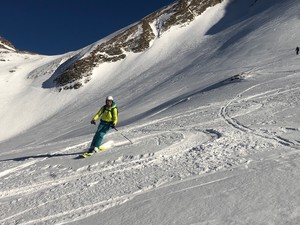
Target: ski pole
[[124, 136]]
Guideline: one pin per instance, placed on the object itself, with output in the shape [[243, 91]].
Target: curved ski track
[[230, 120], [188, 148]]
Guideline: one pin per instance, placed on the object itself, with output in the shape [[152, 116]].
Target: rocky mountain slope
[[136, 38], [74, 72], [6, 45]]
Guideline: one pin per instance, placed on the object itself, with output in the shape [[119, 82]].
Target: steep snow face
[[23, 101], [212, 110]]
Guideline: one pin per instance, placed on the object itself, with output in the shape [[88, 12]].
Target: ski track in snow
[[224, 112], [198, 149], [128, 175], [121, 179], [87, 188]]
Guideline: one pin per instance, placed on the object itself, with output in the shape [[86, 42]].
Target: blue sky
[[57, 26]]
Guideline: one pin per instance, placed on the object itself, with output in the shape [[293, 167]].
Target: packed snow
[[212, 109]]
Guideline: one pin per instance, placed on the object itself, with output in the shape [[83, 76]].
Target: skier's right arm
[[99, 113]]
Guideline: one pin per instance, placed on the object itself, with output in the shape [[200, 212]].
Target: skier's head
[[109, 100]]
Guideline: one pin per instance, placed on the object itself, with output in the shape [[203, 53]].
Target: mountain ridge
[[137, 38], [6, 45]]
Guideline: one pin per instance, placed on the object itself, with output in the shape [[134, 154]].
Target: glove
[[113, 126], [93, 122]]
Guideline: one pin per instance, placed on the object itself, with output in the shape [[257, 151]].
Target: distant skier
[[297, 50], [109, 119]]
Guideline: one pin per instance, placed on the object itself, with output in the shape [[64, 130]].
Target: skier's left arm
[[114, 117]]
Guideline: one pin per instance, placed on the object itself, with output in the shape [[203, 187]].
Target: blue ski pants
[[103, 128]]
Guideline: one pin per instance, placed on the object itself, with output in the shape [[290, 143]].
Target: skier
[[297, 51], [109, 119]]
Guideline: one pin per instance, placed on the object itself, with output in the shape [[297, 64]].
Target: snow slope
[[212, 109]]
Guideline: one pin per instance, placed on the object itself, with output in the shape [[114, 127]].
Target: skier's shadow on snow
[[23, 158]]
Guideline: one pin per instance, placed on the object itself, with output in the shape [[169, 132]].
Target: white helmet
[[110, 98]]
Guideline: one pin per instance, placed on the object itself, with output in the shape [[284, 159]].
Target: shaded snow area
[[212, 109]]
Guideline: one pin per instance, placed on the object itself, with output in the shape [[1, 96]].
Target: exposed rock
[[7, 47], [5, 44]]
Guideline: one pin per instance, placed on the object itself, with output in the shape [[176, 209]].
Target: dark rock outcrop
[[4, 43]]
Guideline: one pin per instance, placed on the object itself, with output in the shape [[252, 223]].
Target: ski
[[86, 154], [89, 154]]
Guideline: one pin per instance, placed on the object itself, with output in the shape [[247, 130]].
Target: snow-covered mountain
[[208, 91]]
